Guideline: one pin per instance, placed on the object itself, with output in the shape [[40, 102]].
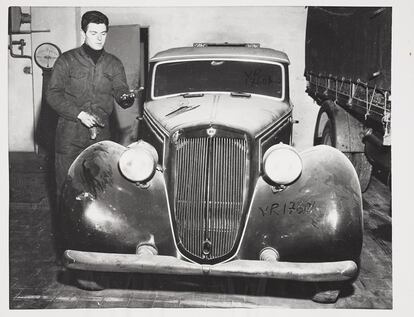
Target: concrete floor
[[38, 281]]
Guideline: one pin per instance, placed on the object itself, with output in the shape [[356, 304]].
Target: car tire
[[89, 280], [326, 293]]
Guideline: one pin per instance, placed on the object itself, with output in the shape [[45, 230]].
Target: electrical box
[[16, 19]]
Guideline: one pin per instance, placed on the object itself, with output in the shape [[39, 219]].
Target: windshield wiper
[[240, 94], [181, 109], [192, 94]]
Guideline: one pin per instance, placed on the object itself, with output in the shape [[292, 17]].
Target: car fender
[[103, 211], [317, 218]]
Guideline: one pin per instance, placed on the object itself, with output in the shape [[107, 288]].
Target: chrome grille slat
[[220, 164]]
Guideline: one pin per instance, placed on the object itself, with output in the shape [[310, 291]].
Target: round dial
[[46, 54]]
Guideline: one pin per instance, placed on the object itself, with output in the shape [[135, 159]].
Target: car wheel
[[89, 280], [327, 293]]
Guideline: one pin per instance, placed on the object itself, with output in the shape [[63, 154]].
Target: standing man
[[82, 88]]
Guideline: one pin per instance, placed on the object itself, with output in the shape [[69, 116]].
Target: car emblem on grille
[[175, 136], [211, 131], [206, 248]]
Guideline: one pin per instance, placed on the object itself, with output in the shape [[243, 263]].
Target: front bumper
[[159, 264]]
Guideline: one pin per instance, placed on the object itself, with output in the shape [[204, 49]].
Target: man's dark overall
[[78, 84]]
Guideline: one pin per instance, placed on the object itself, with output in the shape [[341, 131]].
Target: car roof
[[185, 53]]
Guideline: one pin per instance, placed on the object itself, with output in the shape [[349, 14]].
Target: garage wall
[[20, 102], [275, 27], [25, 90]]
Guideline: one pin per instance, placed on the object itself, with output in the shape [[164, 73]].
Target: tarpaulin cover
[[350, 42]]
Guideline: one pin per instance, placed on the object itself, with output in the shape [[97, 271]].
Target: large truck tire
[[326, 123], [363, 168], [327, 135]]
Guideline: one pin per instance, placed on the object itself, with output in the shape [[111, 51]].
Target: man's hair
[[93, 17]]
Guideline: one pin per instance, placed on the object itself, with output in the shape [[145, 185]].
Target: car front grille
[[210, 178]]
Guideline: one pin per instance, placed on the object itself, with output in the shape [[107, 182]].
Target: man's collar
[[86, 49]]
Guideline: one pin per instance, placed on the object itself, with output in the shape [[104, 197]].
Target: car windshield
[[219, 76]]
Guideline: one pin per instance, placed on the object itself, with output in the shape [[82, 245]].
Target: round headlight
[[138, 162], [282, 164]]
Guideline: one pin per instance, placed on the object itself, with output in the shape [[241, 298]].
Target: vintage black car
[[212, 186]]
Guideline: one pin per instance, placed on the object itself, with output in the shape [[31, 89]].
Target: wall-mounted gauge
[[46, 54]]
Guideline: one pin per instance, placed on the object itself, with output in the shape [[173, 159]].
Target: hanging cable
[[369, 105]]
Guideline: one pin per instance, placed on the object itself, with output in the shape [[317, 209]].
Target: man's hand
[[89, 120], [127, 99]]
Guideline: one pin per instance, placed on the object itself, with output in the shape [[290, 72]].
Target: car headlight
[[282, 165], [138, 162]]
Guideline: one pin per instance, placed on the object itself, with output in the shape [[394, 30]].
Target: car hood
[[251, 115]]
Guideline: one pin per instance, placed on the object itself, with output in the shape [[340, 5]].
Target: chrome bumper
[[159, 264]]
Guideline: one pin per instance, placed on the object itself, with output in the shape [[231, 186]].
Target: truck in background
[[348, 73]]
